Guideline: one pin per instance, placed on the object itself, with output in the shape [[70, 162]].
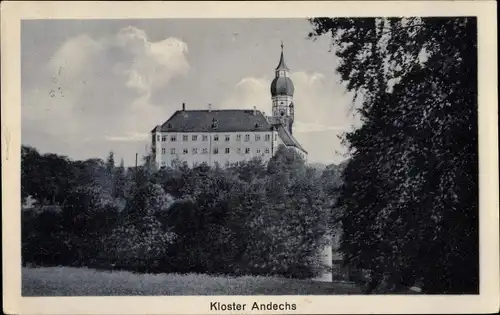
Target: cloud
[[99, 89], [323, 110]]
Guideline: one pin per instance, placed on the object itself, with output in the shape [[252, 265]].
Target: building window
[[205, 138], [227, 150], [257, 137], [184, 138], [216, 150], [238, 150], [238, 137], [194, 137], [172, 151], [158, 137], [162, 150], [164, 138], [267, 150], [267, 137], [185, 151], [247, 138], [258, 151], [195, 151], [247, 150], [173, 138], [204, 151], [227, 138], [216, 138]]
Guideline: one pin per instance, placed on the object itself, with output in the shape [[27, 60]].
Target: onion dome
[[282, 84]]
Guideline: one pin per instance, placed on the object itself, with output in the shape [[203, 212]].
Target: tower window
[[282, 113]]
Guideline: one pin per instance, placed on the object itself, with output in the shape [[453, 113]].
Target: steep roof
[[287, 138], [215, 121]]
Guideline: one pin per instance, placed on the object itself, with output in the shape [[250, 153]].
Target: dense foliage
[[410, 193], [249, 218]]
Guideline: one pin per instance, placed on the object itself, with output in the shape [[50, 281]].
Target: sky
[[94, 86]]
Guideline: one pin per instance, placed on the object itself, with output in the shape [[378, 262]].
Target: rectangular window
[[172, 151], [194, 137], [238, 150], [195, 151], [247, 150], [257, 137], [162, 150], [173, 138], [185, 151], [238, 137], [258, 151], [158, 137], [163, 139], [184, 138], [267, 150], [247, 138], [216, 138], [205, 138], [204, 151], [267, 137], [216, 150], [227, 138], [227, 150]]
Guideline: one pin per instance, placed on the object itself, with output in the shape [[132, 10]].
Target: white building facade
[[229, 136]]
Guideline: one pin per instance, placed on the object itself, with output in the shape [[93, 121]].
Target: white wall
[[165, 157]]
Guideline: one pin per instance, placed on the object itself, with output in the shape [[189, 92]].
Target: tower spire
[[282, 65]]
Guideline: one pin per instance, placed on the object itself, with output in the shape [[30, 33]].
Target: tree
[[410, 193]]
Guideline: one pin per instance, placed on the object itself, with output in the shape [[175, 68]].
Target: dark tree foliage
[[410, 193], [248, 218]]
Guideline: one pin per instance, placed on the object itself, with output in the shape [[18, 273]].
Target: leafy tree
[[410, 193]]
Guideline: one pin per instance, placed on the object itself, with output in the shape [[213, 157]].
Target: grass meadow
[[68, 281]]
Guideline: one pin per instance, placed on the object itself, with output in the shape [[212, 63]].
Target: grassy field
[[65, 281]]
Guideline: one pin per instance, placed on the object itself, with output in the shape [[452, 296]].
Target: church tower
[[282, 94]]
